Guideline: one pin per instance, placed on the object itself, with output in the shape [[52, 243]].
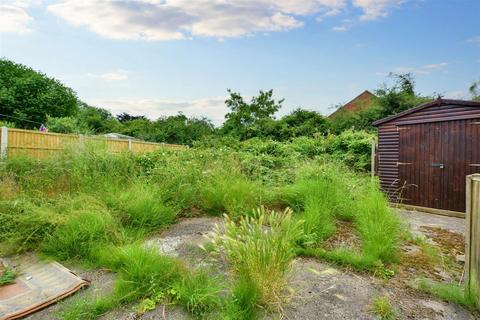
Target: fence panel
[[38, 144], [472, 238]]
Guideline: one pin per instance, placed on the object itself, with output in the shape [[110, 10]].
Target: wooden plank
[[43, 144], [440, 212], [472, 237]]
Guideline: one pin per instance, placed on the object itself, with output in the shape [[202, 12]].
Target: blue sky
[[158, 57]]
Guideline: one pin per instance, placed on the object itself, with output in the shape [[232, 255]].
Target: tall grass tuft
[[140, 206], [230, 192], [449, 292], [80, 234], [259, 249], [378, 226], [323, 193]]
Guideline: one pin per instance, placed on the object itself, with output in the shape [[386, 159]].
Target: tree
[[388, 101], [122, 117], [243, 119], [97, 119], [28, 96], [475, 90], [301, 122]]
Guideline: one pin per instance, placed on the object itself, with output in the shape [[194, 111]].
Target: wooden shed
[[425, 153]]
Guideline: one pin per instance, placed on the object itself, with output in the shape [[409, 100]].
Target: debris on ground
[[38, 284]]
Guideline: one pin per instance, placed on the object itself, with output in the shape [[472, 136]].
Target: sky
[[161, 57]]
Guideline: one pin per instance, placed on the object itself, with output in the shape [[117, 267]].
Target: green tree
[[244, 117], [475, 90], [388, 101], [30, 95], [300, 123]]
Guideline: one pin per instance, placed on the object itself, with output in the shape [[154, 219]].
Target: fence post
[[129, 144], [4, 143], [372, 155], [472, 238]]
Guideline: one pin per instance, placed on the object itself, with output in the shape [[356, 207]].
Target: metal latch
[[437, 165]]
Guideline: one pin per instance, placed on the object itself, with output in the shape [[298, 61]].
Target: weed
[[378, 226], [382, 308], [7, 276], [259, 249], [141, 207], [448, 291], [83, 232], [199, 293]]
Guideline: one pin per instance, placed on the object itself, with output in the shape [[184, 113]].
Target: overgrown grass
[[383, 309], [97, 208], [7, 275], [259, 249], [448, 292], [83, 233]]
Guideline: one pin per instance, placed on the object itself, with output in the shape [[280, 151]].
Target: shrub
[[259, 250]]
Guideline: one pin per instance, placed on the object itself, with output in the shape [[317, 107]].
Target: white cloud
[[117, 75], [475, 40], [374, 9], [14, 17], [179, 19], [339, 28], [422, 70], [212, 108]]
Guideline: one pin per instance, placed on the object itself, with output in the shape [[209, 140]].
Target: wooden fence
[[41, 144], [472, 237]]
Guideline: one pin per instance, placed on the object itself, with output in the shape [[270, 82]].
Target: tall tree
[[28, 96], [243, 119]]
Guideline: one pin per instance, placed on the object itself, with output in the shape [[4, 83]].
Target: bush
[[259, 250]]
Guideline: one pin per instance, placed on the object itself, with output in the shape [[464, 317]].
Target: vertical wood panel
[[43, 144]]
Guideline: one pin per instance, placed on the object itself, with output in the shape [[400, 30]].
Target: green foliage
[[475, 90], [7, 276], [448, 292], [378, 227], [142, 273], [140, 206], [199, 293], [31, 95], [230, 192], [243, 302], [382, 308], [259, 249], [244, 117], [399, 97], [81, 234]]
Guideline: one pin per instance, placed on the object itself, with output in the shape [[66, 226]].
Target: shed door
[[434, 161]]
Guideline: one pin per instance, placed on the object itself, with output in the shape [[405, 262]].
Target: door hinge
[[474, 164], [403, 163], [402, 128]]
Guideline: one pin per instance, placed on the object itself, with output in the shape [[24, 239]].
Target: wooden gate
[[434, 159]]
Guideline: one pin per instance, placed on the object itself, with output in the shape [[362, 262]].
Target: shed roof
[[437, 102]]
